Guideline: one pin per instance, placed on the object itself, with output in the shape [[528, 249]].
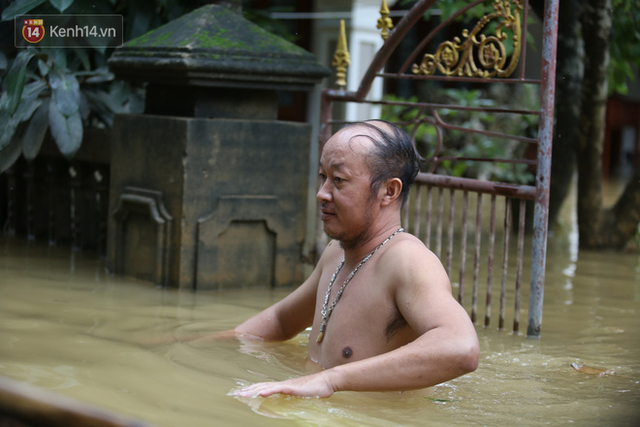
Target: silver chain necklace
[[326, 310]]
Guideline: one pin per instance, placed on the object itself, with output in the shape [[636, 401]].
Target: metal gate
[[470, 49]]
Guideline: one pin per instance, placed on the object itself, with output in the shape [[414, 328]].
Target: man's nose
[[323, 195]]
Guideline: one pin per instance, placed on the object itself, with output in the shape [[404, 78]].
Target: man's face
[[346, 200]]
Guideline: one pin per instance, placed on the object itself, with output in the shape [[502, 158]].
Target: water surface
[[67, 327]]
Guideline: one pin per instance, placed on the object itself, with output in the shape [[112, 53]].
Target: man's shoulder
[[409, 247], [409, 259]]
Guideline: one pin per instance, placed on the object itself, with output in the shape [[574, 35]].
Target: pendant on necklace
[[321, 332]]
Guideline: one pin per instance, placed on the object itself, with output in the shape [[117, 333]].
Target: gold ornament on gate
[[479, 55]]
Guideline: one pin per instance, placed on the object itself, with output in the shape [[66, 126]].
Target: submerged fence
[[59, 201]]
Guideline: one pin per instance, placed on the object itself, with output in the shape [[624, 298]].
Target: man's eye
[[338, 180], [322, 177]]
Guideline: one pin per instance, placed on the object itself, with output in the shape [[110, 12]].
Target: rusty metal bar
[[505, 261], [543, 175], [452, 206], [523, 49], [463, 246], [513, 190], [326, 109], [476, 260], [427, 239], [439, 224], [521, 224], [416, 212], [405, 212], [455, 79], [492, 239], [500, 135], [488, 160], [345, 97]]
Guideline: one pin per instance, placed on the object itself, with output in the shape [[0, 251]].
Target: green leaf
[[459, 169], [15, 80], [13, 131], [83, 56], [85, 107], [58, 58], [36, 132], [65, 92], [101, 105], [8, 124], [67, 131], [43, 67], [103, 99], [33, 89], [20, 7], [11, 152], [434, 399], [141, 14], [29, 104], [61, 5], [99, 75]]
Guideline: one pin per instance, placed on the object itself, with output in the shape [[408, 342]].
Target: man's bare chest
[[358, 325]]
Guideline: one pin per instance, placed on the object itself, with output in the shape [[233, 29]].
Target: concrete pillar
[[208, 189]]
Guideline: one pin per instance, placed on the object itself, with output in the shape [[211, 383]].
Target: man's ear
[[391, 191]]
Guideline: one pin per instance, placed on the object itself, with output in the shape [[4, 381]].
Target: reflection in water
[[67, 326]]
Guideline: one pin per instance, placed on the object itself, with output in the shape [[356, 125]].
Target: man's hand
[[316, 385]]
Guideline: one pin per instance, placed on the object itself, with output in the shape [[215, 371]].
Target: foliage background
[[64, 90]]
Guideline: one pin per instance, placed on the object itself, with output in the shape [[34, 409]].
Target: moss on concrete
[[215, 27]]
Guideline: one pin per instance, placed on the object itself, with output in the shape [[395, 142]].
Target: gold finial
[[341, 58], [384, 22]]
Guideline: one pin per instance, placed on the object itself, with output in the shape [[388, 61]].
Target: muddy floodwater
[[69, 328]]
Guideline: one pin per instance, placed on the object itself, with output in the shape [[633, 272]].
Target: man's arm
[[281, 321], [446, 348], [286, 318], [294, 313]]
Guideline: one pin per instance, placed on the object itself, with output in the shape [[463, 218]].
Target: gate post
[[208, 188], [543, 178]]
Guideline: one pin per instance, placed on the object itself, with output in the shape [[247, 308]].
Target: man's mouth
[[326, 214]]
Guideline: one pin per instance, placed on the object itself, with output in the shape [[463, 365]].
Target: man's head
[[393, 155], [365, 172]]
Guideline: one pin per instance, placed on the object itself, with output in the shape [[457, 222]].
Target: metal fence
[[59, 201], [489, 50]]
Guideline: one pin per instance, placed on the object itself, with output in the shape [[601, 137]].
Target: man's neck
[[354, 253]]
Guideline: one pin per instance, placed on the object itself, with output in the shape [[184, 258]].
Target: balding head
[[392, 154]]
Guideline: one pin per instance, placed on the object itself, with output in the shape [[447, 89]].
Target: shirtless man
[[396, 325]]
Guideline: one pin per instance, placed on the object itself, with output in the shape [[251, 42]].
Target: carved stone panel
[[142, 233]]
